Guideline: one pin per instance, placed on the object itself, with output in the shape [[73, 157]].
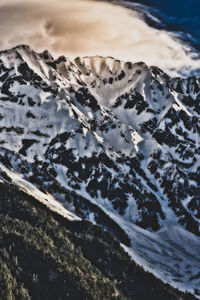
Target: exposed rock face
[[114, 142]]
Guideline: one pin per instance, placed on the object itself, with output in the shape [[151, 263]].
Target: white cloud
[[80, 28]]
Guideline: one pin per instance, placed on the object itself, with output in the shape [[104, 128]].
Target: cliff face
[[114, 142]]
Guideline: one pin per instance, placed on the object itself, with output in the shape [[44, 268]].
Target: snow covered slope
[[116, 143]]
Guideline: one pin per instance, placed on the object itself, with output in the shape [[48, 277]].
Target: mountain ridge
[[110, 141], [45, 255]]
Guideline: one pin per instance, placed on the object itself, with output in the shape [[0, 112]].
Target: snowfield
[[113, 142]]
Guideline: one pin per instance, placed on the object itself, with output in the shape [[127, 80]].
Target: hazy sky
[[80, 28]]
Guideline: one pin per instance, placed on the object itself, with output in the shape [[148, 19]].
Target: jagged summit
[[114, 142], [22, 46], [47, 56]]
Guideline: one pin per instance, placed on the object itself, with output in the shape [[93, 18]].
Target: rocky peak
[[114, 142]]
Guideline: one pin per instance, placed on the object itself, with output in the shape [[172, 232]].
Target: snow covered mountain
[[114, 142]]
